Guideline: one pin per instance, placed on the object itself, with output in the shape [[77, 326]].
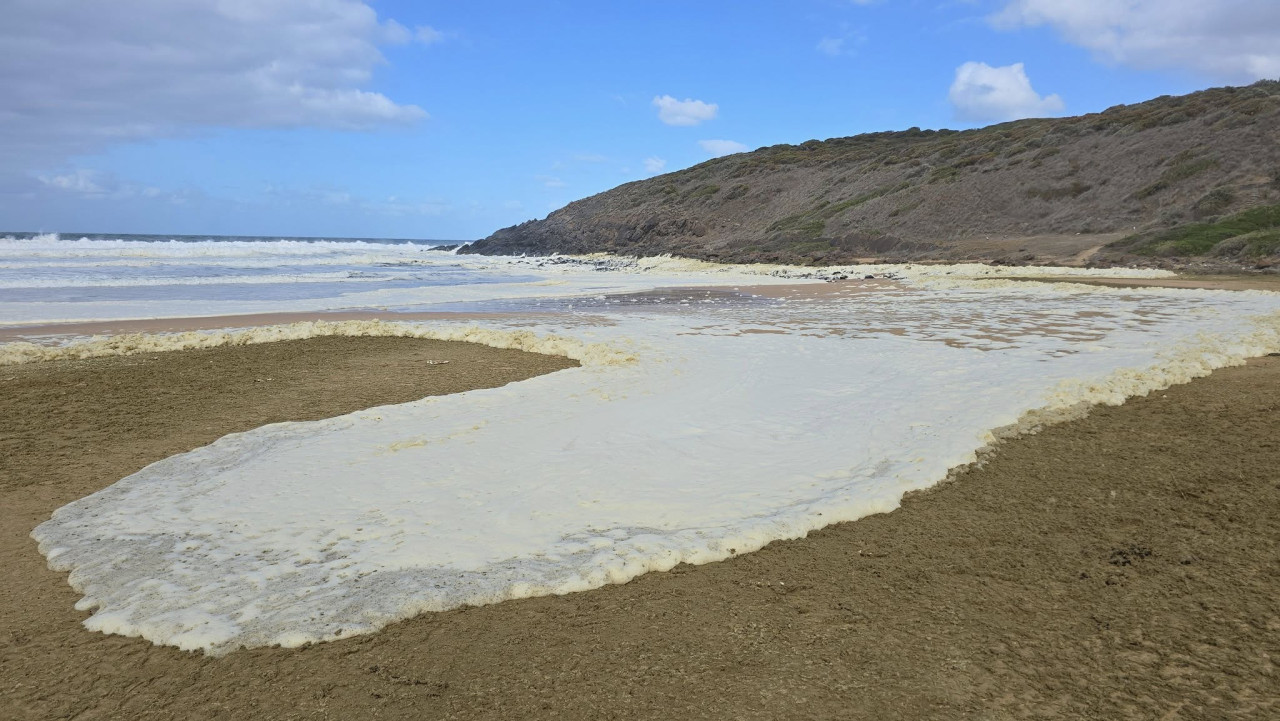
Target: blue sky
[[450, 120]]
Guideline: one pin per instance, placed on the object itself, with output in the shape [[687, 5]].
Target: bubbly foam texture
[[705, 431], [907, 271], [135, 343]]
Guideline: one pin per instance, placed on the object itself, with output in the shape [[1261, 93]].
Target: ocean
[[716, 409], [103, 269], [47, 278]]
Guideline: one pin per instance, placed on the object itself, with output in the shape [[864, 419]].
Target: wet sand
[[510, 311], [60, 331], [1126, 565], [1258, 281]]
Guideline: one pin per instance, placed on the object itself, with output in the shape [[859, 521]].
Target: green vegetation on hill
[[1249, 234]]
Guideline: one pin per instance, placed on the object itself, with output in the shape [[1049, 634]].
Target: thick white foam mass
[[712, 429], [133, 343]]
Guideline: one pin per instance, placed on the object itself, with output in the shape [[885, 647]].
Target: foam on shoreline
[[148, 281], [136, 343], [692, 437]]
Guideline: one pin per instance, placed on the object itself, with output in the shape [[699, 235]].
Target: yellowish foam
[[591, 354]]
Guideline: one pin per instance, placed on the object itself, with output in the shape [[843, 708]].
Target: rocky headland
[[1190, 182]]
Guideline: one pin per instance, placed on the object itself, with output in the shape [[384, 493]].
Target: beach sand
[[1126, 565], [1257, 281]]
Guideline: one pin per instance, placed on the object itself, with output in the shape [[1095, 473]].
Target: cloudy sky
[[449, 120]]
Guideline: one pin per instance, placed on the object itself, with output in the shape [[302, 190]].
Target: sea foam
[[136, 343], [698, 433]]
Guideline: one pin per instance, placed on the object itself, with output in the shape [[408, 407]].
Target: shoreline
[[965, 573], [798, 280], [69, 329], [180, 324], [39, 332], [1234, 282]]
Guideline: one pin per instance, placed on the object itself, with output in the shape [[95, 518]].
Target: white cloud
[[982, 93], [95, 184], [428, 35], [654, 165], [393, 33], [336, 197], [831, 46], [722, 147], [86, 182], [844, 42], [395, 206], [390, 206], [1235, 40], [76, 76], [684, 112], [549, 181]]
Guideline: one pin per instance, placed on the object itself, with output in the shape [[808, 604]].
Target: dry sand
[[1126, 565]]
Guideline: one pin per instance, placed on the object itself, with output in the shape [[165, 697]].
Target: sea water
[[46, 278], [701, 424], [102, 273]]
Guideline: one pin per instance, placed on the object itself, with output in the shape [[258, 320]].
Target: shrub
[[1067, 191], [801, 224], [1212, 203], [1262, 224], [832, 210], [1262, 242], [907, 208], [943, 173], [702, 191], [1176, 173]]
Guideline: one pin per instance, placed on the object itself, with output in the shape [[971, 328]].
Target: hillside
[[1130, 179]]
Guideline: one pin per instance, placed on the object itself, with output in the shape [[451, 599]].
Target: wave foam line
[[668, 264], [66, 281], [594, 354], [51, 245], [1072, 399]]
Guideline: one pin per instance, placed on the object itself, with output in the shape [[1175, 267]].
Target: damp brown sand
[[1257, 281], [1126, 565], [30, 332]]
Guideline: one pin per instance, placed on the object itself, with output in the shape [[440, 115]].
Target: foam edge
[[1074, 400], [588, 354]]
